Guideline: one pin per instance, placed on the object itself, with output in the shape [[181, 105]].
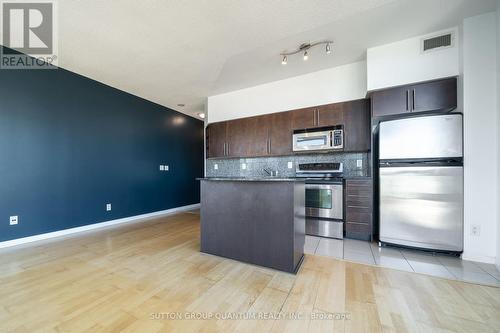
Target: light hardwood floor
[[134, 277]]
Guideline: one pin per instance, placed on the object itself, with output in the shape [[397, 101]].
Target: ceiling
[[173, 52]]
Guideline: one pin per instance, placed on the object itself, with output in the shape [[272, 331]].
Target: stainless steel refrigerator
[[421, 182]]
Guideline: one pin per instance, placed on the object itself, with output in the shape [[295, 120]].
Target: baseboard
[[478, 257], [65, 232]]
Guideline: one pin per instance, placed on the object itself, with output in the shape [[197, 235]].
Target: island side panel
[[272, 224], [255, 222], [223, 232], [299, 219]]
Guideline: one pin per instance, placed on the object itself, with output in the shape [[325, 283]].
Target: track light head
[[284, 61], [328, 48], [306, 56]]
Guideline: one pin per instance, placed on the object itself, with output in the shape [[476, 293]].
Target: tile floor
[[402, 259]]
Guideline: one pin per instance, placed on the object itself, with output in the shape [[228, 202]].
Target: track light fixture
[[304, 47]]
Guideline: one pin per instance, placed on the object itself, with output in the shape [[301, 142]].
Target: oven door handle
[[322, 186]]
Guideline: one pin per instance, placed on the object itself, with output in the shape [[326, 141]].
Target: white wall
[[332, 85], [403, 62], [480, 136]]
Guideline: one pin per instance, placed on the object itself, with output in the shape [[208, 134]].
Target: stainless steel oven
[[324, 199], [325, 138]]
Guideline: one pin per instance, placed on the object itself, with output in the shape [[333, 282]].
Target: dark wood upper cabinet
[[280, 133], [272, 134], [248, 137], [427, 96], [330, 114], [357, 120], [303, 118], [437, 95], [390, 101], [216, 139]]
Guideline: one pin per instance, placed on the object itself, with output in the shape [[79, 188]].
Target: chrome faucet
[[271, 173]]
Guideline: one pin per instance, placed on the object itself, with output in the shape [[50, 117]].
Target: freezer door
[[422, 207], [421, 137]]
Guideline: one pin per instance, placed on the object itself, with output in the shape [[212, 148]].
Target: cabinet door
[[359, 209], [303, 118], [437, 95], [357, 134], [248, 137], [280, 133], [390, 101], [330, 115], [216, 140]]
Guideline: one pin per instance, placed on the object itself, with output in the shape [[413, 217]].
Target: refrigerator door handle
[[413, 100]]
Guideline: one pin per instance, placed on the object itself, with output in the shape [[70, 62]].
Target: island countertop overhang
[[253, 179]]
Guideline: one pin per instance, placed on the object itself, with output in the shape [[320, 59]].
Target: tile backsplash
[[285, 165]]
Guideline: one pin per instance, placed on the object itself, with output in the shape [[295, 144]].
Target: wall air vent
[[437, 42]]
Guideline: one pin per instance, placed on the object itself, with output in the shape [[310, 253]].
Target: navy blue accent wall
[[69, 145]]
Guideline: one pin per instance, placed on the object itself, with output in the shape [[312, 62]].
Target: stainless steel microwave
[[324, 138]]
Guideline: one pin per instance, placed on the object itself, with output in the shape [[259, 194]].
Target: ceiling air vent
[[437, 42]]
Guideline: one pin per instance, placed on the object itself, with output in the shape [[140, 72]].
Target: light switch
[[166, 167], [13, 220], [290, 165], [162, 168], [108, 207], [216, 166], [243, 166], [359, 163]]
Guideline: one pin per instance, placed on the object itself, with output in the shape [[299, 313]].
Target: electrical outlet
[[216, 166], [475, 230], [14, 220], [162, 168], [243, 166], [359, 163], [290, 165], [108, 207], [166, 167]]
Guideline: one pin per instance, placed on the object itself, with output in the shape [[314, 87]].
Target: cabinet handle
[[413, 100], [317, 118], [407, 99], [228, 149], [224, 149], [269, 146]]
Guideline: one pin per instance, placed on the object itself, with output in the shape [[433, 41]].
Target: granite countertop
[[357, 177], [253, 179]]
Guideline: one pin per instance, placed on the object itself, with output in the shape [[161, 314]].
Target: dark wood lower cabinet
[[359, 208]]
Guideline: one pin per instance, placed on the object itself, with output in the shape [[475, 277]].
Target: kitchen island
[[255, 220]]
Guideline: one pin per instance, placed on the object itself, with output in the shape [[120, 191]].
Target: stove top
[[323, 171]]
